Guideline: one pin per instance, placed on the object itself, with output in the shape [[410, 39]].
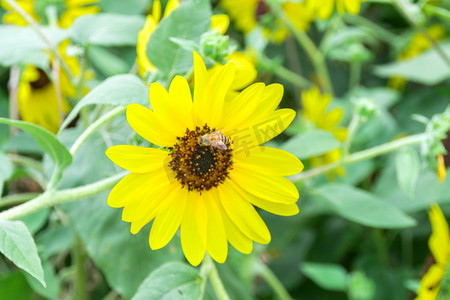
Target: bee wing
[[220, 145]]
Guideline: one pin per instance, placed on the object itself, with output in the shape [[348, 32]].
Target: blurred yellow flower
[[439, 244], [315, 110], [441, 170], [248, 14], [67, 11], [324, 8], [215, 169], [419, 43]]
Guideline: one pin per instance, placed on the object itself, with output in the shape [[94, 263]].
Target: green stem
[[43, 36], [375, 29], [352, 127], [50, 197], [208, 269], [94, 126], [274, 67], [402, 6], [314, 54], [273, 281], [362, 155], [26, 161], [79, 256], [17, 198], [437, 11], [355, 75]]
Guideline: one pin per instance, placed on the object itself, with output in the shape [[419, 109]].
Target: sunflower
[[419, 43], [431, 286], [67, 11], [315, 111], [208, 190], [247, 15]]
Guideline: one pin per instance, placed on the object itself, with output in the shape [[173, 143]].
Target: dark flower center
[[41, 82], [201, 165]]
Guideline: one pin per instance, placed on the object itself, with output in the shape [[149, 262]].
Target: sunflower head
[[213, 171]]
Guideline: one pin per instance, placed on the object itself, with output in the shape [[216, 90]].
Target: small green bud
[[366, 109], [215, 46]]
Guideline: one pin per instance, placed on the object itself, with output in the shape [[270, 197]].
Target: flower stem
[[43, 36], [269, 65], [17, 198], [274, 282], [402, 6], [208, 269], [26, 161], [94, 126], [362, 155], [375, 29], [51, 197], [79, 257], [352, 127]]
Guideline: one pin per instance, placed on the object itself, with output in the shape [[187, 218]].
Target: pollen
[[199, 167]]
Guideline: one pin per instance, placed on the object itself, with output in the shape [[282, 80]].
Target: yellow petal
[[200, 80], [261, 130], [271, 188], [332, 118], [216, 242], [269, 160], [220, 23], [171, 6], [270, 206], [430, 283], [236, 238], [137, 159], [244, 215], [143, 121], [194, 229], [245, 70], [168, 218], [156, 10], [439, 242], [352, 6], [180, 97], [128, 189]]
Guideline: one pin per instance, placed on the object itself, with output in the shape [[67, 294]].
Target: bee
[[215, 139]]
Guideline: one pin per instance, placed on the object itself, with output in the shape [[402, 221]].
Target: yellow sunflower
[[419, 43], [439, 244], [67, 11], [324, 8], [248, 14], [315, 110], [215, 169], [38, 101]]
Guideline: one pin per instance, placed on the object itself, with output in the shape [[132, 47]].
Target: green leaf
[[327, 276], [125, 259], [108, 63], [407, 166], [129, 7], [173, 280], [6, 167], [36, 220], [311, 143], [49, 143], [107, 29], [54, 240], [17, 244], [187, 22], [364, 208], [51, 291], [431, 65], [18, 43], [117, 90]]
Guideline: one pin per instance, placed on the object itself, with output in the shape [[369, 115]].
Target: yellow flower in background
[[144, 64], [315, 110], [37, 98], [248, 14], [214, 170], [38, 101], [67, 11], [441, 170], [419, 43], [439, 244], [325, 8]]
